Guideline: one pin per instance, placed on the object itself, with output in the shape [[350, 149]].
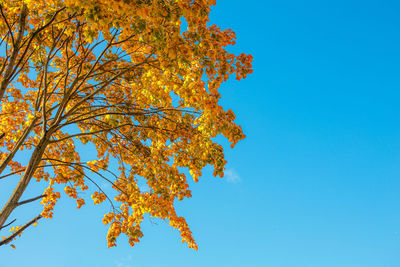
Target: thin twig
[[8, 224]]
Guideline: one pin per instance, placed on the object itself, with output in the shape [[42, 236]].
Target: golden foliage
[[129, 77]]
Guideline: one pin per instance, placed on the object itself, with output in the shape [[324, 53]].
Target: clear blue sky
[[317, 180]]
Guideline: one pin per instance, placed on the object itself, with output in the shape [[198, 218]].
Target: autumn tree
[[136, 79]]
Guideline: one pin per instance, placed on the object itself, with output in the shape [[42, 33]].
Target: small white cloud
[[124, 262], [232, 176]]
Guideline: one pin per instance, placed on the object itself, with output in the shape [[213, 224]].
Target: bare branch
[[8, 224], [30, 200]]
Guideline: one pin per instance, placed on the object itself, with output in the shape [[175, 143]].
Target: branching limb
[[8, 25], [16, 49], [19, 231], [19, 143]]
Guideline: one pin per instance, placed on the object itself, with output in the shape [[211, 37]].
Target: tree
[[137, 79]]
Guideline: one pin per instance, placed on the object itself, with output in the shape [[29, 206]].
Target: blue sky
[[317, 180]]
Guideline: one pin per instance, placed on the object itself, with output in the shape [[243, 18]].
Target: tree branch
[[11, 237], [30, 200], [8, 25], [16, 47], [8, 224]]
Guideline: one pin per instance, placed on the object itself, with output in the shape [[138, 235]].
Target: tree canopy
[[136, 79]]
